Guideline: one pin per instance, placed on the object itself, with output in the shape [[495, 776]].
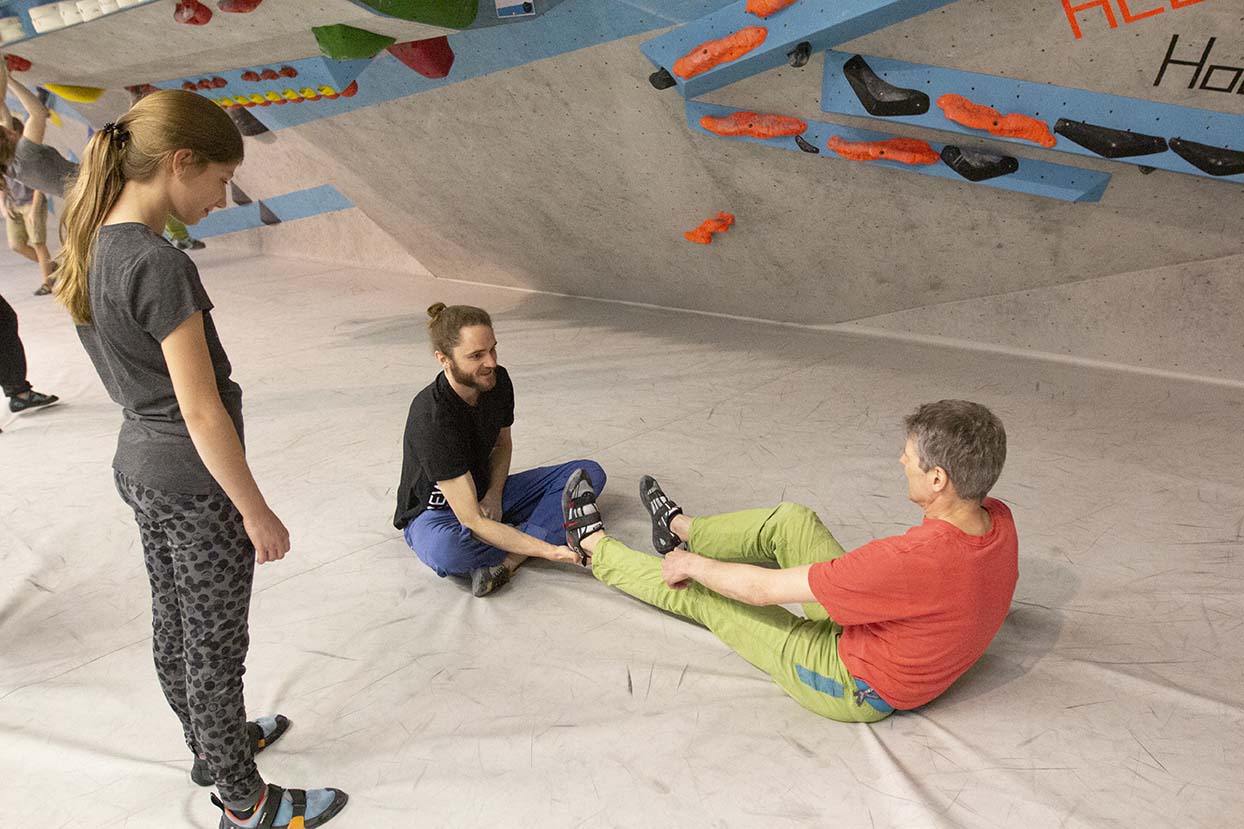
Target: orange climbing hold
[[765, 8], [715, 52], [979, 117], [903, 150], [754, 125], [703, 235]]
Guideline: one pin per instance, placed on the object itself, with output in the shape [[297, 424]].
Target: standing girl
[[145, 320]]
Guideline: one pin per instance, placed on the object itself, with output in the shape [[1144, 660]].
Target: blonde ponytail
[[135, 148], [88, 202]]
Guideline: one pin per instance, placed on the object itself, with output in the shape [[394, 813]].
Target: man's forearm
[[741, 582], [499, 468], [509, 539]]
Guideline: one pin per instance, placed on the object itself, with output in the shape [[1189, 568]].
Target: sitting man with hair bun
[[889, 626], [460, 509]]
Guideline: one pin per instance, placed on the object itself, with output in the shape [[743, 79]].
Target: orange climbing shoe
[[715, 52], [903, 150], [979, 117], [703, 235], [754, 125], [767, 8]]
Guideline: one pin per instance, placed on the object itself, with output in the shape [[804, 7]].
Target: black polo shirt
[[445, 438]]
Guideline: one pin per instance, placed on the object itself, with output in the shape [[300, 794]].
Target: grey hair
[[963, 438]]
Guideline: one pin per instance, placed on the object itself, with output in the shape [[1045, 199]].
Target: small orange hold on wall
[[715, 52], [703, 235]]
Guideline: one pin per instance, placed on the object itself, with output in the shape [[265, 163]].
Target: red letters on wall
[[1125, 10]]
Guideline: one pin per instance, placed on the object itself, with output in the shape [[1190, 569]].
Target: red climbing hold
[[351, 90], [192, 13], [219, 82], [714, 52], [15, 63], [250, 75], [766, 8], [703, 235], [189, 86], [431, 58], [238, 6], [204, 83], [269, 75], [288, 72], [754, 125], [903, 150], [979, 117]]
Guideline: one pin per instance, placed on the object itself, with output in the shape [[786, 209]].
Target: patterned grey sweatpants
[[201, 565]]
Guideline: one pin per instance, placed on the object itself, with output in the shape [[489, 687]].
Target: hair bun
[[434, 310]]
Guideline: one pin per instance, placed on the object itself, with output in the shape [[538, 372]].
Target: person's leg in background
[[180, 236], [35, 221]]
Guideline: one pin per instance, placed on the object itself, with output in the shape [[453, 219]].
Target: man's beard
[[470, 380]]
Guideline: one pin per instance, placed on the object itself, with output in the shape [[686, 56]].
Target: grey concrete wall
[[1179, 318], [572, 175]]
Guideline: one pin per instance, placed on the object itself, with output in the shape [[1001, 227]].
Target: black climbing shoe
[[300, 804], [485, 580], [880, 98], [580, 515], [31, 400], [1109, 143], [661, 510], [977, 166]]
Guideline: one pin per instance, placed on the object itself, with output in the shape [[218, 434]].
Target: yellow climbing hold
[[76, 94]]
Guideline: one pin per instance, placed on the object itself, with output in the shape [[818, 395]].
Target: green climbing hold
[[342, 42], [453, 14]]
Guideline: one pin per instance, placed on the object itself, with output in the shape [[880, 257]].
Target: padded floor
[[1111, 697]]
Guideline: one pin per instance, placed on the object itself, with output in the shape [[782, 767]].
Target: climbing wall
[[535, 152]]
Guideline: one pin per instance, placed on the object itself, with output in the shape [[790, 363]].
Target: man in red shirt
[[889, 625]]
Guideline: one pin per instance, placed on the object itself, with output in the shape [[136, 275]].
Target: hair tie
[[117, 134]]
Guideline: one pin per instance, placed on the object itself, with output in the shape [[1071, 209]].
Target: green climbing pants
[[801, 655], [176, 230]]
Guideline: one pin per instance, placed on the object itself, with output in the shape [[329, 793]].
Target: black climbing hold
[[978, 166], [662, 79], [798, 56], [805, 146], [1107, 142], [246, 123], [880, 98], [267, 216], [1145, 169], [238, 194], [1216, 161]]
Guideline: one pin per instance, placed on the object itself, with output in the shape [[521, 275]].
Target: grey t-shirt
[[16, 194], [141, 289], [41, 167]]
